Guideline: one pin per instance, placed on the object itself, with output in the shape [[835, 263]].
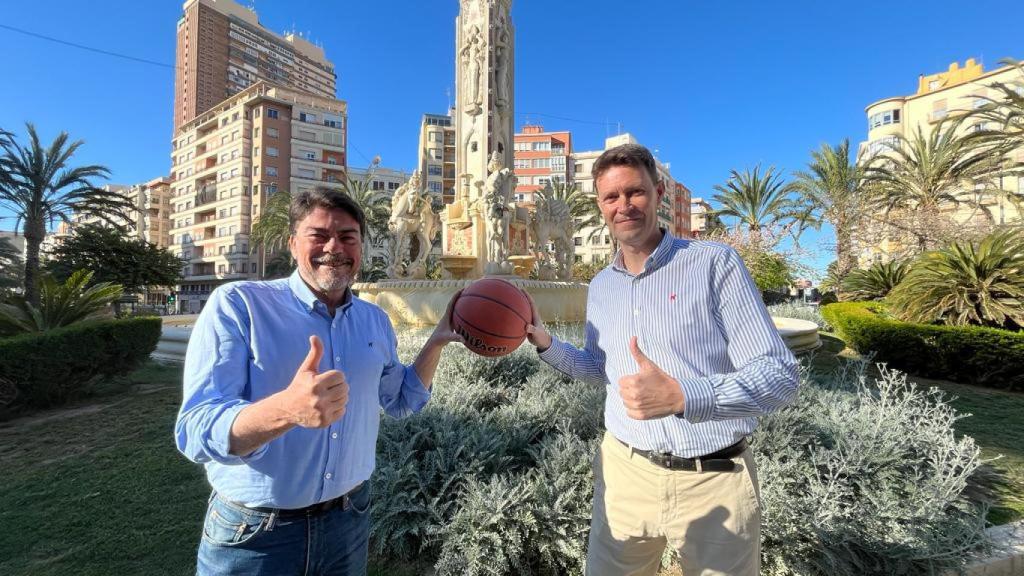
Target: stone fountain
[[483, 232]]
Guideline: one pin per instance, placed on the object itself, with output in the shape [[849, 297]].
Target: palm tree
[[967, 283], [876, 281], [831, 187], [39, 187], [926, 175], [271, 229], [758, 200], [1004, 115]]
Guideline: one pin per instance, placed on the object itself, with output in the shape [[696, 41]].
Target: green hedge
[[49, 368], [974, 355]]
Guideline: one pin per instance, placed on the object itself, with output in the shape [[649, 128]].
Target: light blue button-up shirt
[[697, 314], [246, 345]]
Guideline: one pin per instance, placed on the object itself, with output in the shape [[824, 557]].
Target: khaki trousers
[[712, 519]]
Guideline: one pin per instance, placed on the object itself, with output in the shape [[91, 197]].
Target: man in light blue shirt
[[284, 382], [677, 332]]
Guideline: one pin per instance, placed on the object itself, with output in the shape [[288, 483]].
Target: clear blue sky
[[710, 85]]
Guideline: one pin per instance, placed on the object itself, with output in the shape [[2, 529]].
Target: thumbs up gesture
[[650, 393], [315, 400]]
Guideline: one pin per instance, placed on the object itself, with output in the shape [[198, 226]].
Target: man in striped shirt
[[677, 332]]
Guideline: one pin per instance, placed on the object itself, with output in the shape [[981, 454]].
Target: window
[[271, 171], [435, 154], [270, 188], [308, 154], [255, 151], [253, 267], [541, 162], [307, 117], [393, 185], [558, 163], [433, 170], [271, 151], [883, 118], [272, 132], [256, 132], [434, 187], [577, 241], [305, 173], [521, 163], [272, 113]]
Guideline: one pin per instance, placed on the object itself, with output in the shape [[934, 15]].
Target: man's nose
[[333, 245]]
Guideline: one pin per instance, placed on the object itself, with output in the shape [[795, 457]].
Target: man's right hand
[[315, 400], [535, 331]]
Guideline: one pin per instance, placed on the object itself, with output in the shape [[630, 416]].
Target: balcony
[[207, 195]]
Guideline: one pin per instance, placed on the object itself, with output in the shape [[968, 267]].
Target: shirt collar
[[662, 253], [306, 297]]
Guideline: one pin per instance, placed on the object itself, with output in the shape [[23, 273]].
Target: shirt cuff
[[416, 394], [218, 443], [555, 352], [699, 398]]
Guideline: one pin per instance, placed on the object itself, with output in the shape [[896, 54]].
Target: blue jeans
[[237, 540]]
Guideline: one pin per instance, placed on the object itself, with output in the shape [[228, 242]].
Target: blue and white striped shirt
[[696, 313]]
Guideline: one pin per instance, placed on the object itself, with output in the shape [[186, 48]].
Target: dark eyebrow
[[326, 231]]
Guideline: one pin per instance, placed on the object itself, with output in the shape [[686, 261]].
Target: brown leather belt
[[720, 461]]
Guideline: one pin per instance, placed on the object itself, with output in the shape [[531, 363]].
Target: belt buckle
[[665, 459]]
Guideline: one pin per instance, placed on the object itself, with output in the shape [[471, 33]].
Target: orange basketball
[[492, 315]]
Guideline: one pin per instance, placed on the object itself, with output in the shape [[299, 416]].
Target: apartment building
[[149, 219], [940, 96], [540, 157], [595, 247], [384, 181], [700, 217], [437, 156], [223, 49], [226, 163]]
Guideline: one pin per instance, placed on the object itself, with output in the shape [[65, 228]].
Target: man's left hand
[[443, 333], [650, 393]]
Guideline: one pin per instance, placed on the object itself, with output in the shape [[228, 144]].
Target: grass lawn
[[99, 489]]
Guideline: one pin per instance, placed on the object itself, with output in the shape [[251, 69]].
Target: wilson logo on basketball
[[491, 315]]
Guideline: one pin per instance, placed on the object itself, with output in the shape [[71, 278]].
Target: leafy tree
[[831, 187], [40, 186], [59, 304], [916, 182], [759, 200], [875, 282], [966, 283], [111, 257]]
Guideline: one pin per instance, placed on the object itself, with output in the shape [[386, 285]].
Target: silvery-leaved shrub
[[800, 312], [858, 475]]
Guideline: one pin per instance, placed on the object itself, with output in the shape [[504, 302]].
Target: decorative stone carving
[[498, 212], [552, 224], [411, 217]]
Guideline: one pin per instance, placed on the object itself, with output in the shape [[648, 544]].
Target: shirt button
[[334, 434], [337, 358], [636, 312], [328, 475]]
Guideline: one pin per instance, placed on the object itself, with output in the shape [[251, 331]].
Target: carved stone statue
[[473, 59], [498, 212], [501, 65], [552, 224], [411, 217]]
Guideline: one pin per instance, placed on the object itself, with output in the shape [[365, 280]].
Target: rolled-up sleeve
[[401, 391], [766, 376], [215, 382]]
